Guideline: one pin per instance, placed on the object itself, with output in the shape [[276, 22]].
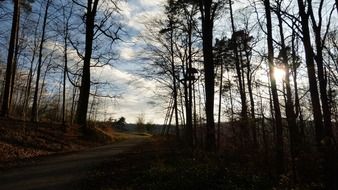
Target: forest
[[253, 78]]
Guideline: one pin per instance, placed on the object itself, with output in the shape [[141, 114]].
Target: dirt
[[66, 171]]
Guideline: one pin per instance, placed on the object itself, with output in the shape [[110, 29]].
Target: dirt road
[[62, 171]]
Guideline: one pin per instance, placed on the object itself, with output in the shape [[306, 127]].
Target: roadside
[[22, 142], [66, 171]]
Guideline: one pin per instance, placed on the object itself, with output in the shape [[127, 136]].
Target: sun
[[279, 74]]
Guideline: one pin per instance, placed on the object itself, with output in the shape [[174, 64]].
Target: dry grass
[[20, 140]]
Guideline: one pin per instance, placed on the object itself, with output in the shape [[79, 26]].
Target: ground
[[66, 171], [21, 140], [50, 156], [162, 164]]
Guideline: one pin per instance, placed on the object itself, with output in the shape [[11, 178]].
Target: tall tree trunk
[[174, 80], [220, 108], [34, 116], [74, 105], [239, 73], [327, 146], [190, 76], [290, 113], [10, 58], [316, 108], [298, 110], [278, 117], [64, 80], [15, 63], [207, 32], [30, 73], [252, 104], [317, 28], [82, 108]]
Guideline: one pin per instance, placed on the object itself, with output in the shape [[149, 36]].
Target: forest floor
[[162, 163], [20, 141]]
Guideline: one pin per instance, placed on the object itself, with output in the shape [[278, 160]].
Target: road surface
[[62, 171]]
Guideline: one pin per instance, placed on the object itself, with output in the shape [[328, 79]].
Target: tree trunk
[[82, 108], [290, 113], [15, 63], [316, 108], [220, 108], [239, 73], [277, 112], [320, 73], [190, 76], [174, 81], [298, 111], [207, 32], [34, 116], [10, 59], [30, 73], [252, 105]]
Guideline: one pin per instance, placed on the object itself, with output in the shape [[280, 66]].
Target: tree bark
[[239, 73], [82, 107], [277, 112], [207, 32], [10, 58], [290, 113], [35, 107], [316, 108], [317, 28]]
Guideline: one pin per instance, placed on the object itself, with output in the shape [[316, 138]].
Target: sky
[[137, 93]]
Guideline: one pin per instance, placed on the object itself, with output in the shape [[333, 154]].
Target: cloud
[[127, 53], [137, 12], [137, 95]]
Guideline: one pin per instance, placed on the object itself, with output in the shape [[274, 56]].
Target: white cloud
[[151, 2], [137, 93], [138, 12], [127, 53]]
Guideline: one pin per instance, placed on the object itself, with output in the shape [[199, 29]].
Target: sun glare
[[279, 74]]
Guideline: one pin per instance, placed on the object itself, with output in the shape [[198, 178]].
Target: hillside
[[20, 140]]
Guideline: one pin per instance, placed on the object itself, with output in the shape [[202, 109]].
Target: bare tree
[[34, 117], [276, 106], [10, 58]]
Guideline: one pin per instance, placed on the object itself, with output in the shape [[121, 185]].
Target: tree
[[140, 121], [10, 58], [290, 113], [171, 26], [92, 29], [277, 112], [320, 43], [236, 38], [35, 107], [81, 113], [208, 10], [120, 123], [309, 56]]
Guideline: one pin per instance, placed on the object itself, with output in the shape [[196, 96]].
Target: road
[[62, 171]]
